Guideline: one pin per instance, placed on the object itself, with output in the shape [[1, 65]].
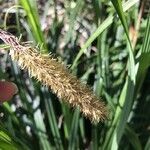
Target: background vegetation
[[107, 46]]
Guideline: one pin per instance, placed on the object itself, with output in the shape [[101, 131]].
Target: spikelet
[[55, 75]]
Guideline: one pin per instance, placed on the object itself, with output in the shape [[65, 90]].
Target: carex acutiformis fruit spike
[[52, 73]]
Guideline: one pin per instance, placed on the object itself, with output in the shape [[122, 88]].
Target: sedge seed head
[[54, 74]]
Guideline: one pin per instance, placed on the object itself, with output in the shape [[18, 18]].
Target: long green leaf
[[52, 120], [74, 129], [33, 19], [119, 9], [144, 59]]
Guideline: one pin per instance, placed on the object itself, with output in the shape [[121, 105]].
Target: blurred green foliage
[[107, 47]]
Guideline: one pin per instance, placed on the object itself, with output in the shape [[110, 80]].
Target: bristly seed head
[[55, 75]]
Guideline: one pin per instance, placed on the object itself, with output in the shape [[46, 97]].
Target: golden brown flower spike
[[56, 76]]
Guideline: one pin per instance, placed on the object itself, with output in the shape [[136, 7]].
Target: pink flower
[[7, 90]]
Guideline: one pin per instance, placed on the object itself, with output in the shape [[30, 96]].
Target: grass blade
[[144, 60], [33, 20], [52, 121], [74, 130]]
